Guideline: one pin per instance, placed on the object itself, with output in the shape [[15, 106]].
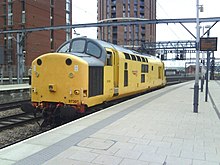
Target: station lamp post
[[207, 68], [196, 85]]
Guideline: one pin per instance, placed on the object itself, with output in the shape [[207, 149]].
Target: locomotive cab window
[[109, 58], [93, 49], [78, 46]]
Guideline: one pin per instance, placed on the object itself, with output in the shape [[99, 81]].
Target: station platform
[[14, 93], [158, 128], [12, 87]]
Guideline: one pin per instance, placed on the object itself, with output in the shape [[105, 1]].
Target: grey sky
[[85, 11]]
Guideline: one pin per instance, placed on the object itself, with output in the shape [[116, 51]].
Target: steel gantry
[[22, 32]]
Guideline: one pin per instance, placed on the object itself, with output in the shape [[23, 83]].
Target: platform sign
[[208, 44]]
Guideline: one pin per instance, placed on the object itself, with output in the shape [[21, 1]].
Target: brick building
[[20, 14], [131, 35]]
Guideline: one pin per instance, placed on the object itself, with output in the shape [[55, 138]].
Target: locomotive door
[[113, 61], [116, 73], [115, 65]]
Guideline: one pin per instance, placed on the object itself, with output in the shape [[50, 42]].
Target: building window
[[135, 2], [51, 16], [108, 2], [124, 15], [125, 35], [68, 36], [113, 2], [124, 8], [23, 12], [128, 8], [68, 5], [67, 18], [23, 17], [114, 29], [113, 8], [51, 2], [114, 38], [135, 14], [113, 15], [5, 21], [136, 28], [52, 39], [10, 14]]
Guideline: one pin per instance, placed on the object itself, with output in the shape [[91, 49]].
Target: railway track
[[12, 105], [16, 120]]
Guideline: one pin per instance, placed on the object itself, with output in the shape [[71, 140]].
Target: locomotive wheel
[[67, 113]]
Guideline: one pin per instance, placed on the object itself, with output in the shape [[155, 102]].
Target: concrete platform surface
[[157, 128]]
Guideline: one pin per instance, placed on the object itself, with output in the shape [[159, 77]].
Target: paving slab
[[153, 129]]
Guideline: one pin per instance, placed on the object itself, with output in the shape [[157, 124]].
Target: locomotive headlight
[[76, 92]]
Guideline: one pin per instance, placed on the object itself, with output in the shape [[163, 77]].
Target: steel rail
[[16, 120], [12, 105]]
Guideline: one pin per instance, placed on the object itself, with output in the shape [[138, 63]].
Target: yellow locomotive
[[85, 72]]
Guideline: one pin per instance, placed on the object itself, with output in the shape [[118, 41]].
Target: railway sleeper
[[53, 114]]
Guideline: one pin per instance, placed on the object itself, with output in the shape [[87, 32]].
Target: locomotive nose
[[57, 78]]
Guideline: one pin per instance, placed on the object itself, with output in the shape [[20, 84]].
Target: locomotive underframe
[[57, 113]]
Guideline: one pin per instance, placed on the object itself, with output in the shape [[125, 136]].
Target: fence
[[8, 74]]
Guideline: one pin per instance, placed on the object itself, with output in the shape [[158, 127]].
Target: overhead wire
[[160, 6]]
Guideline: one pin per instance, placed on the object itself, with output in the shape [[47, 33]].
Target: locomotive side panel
[[138, 75]]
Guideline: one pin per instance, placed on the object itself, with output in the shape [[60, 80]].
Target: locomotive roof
[[121, 49], [104, 44]]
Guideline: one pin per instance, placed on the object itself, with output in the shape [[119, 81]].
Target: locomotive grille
[[95, 80]]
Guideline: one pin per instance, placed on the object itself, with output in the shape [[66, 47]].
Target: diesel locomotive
[[86, 72]]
